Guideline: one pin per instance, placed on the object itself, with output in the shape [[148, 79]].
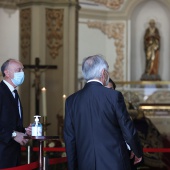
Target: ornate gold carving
[[113, 4], [115, 31], [25, 32], [54, 31]]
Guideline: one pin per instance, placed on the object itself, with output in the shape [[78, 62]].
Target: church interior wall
[[9, 34], [93, 41], [133, 15], [9, 47], [136, 15], [53, 79], [139, 20]]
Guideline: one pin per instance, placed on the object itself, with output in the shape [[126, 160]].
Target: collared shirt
[[11, 88], [94, 80]]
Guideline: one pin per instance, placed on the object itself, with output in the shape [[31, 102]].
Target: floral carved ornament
[[115, 31], [54, 31], [113, 4], [25, 33]]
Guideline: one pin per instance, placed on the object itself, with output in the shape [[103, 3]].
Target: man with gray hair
[[97, 123]]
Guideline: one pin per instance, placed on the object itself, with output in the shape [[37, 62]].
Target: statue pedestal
[[150, 77]]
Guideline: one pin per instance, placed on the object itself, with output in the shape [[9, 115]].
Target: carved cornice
[[115, 31], [54, 31], [124, 12], [113, 4], [25, 32], [15, 3], [23, 3], [11, 4]]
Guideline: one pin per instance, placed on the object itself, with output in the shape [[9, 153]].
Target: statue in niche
[[152, 50]]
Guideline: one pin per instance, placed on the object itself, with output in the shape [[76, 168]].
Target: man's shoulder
[[2, 84], [73, 95], [3, 87]]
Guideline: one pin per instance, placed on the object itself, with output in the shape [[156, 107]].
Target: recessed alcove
[[139, 19]]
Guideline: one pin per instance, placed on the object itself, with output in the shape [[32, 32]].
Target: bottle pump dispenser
[[37, 127]]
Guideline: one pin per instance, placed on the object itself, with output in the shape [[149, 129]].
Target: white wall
[[9, 34], [93, 41], [139, 22]]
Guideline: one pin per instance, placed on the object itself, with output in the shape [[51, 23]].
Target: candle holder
[[45, 124]]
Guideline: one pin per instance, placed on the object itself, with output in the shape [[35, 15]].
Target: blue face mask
[[18, 78]]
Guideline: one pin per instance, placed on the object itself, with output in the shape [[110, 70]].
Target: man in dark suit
[[97, 124], [112, 85], [11, 116]]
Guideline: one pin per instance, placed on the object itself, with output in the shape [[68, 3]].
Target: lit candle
[[64, 99], [44, 104]]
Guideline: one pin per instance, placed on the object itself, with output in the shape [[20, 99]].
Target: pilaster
[[48, 30]]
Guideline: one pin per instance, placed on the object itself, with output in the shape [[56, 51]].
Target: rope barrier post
[[28, 154], [45, 163], [41, 155]]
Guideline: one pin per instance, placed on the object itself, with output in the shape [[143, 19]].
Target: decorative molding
[[54, 31], [25, 32], [52, 3], [159, 97], [11, 4], [113, 4], [115, 31]]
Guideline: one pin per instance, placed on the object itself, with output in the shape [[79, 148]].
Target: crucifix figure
[[37, 70]]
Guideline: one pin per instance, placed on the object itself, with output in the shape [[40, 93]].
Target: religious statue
[[152, 50]]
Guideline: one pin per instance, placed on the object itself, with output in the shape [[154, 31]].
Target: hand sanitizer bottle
[[37, 127]]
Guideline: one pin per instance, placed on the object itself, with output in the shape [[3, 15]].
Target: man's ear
[[6, 72], [102, 78], [102, 73]]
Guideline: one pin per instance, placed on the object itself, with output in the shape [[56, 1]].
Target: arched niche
[[139, 18]]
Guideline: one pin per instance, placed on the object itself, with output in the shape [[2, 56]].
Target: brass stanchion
[[28, 155], [45, 156]]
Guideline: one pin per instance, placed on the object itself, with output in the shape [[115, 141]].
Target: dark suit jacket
[[95, 130], [9, 121]]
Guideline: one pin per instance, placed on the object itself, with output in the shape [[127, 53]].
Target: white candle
[[64, 99], [44, 104]]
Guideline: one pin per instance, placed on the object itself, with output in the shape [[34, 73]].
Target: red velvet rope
[[35, 165], [52, 161], [156, 150], [30, 166], [57, 160], [36, 149]]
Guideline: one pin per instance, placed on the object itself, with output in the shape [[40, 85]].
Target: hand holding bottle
[[28, 130]]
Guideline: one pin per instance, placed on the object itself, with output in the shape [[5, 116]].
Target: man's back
[[95, 121]]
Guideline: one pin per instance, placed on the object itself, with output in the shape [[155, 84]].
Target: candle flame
[[43, 89], [64, 96]]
